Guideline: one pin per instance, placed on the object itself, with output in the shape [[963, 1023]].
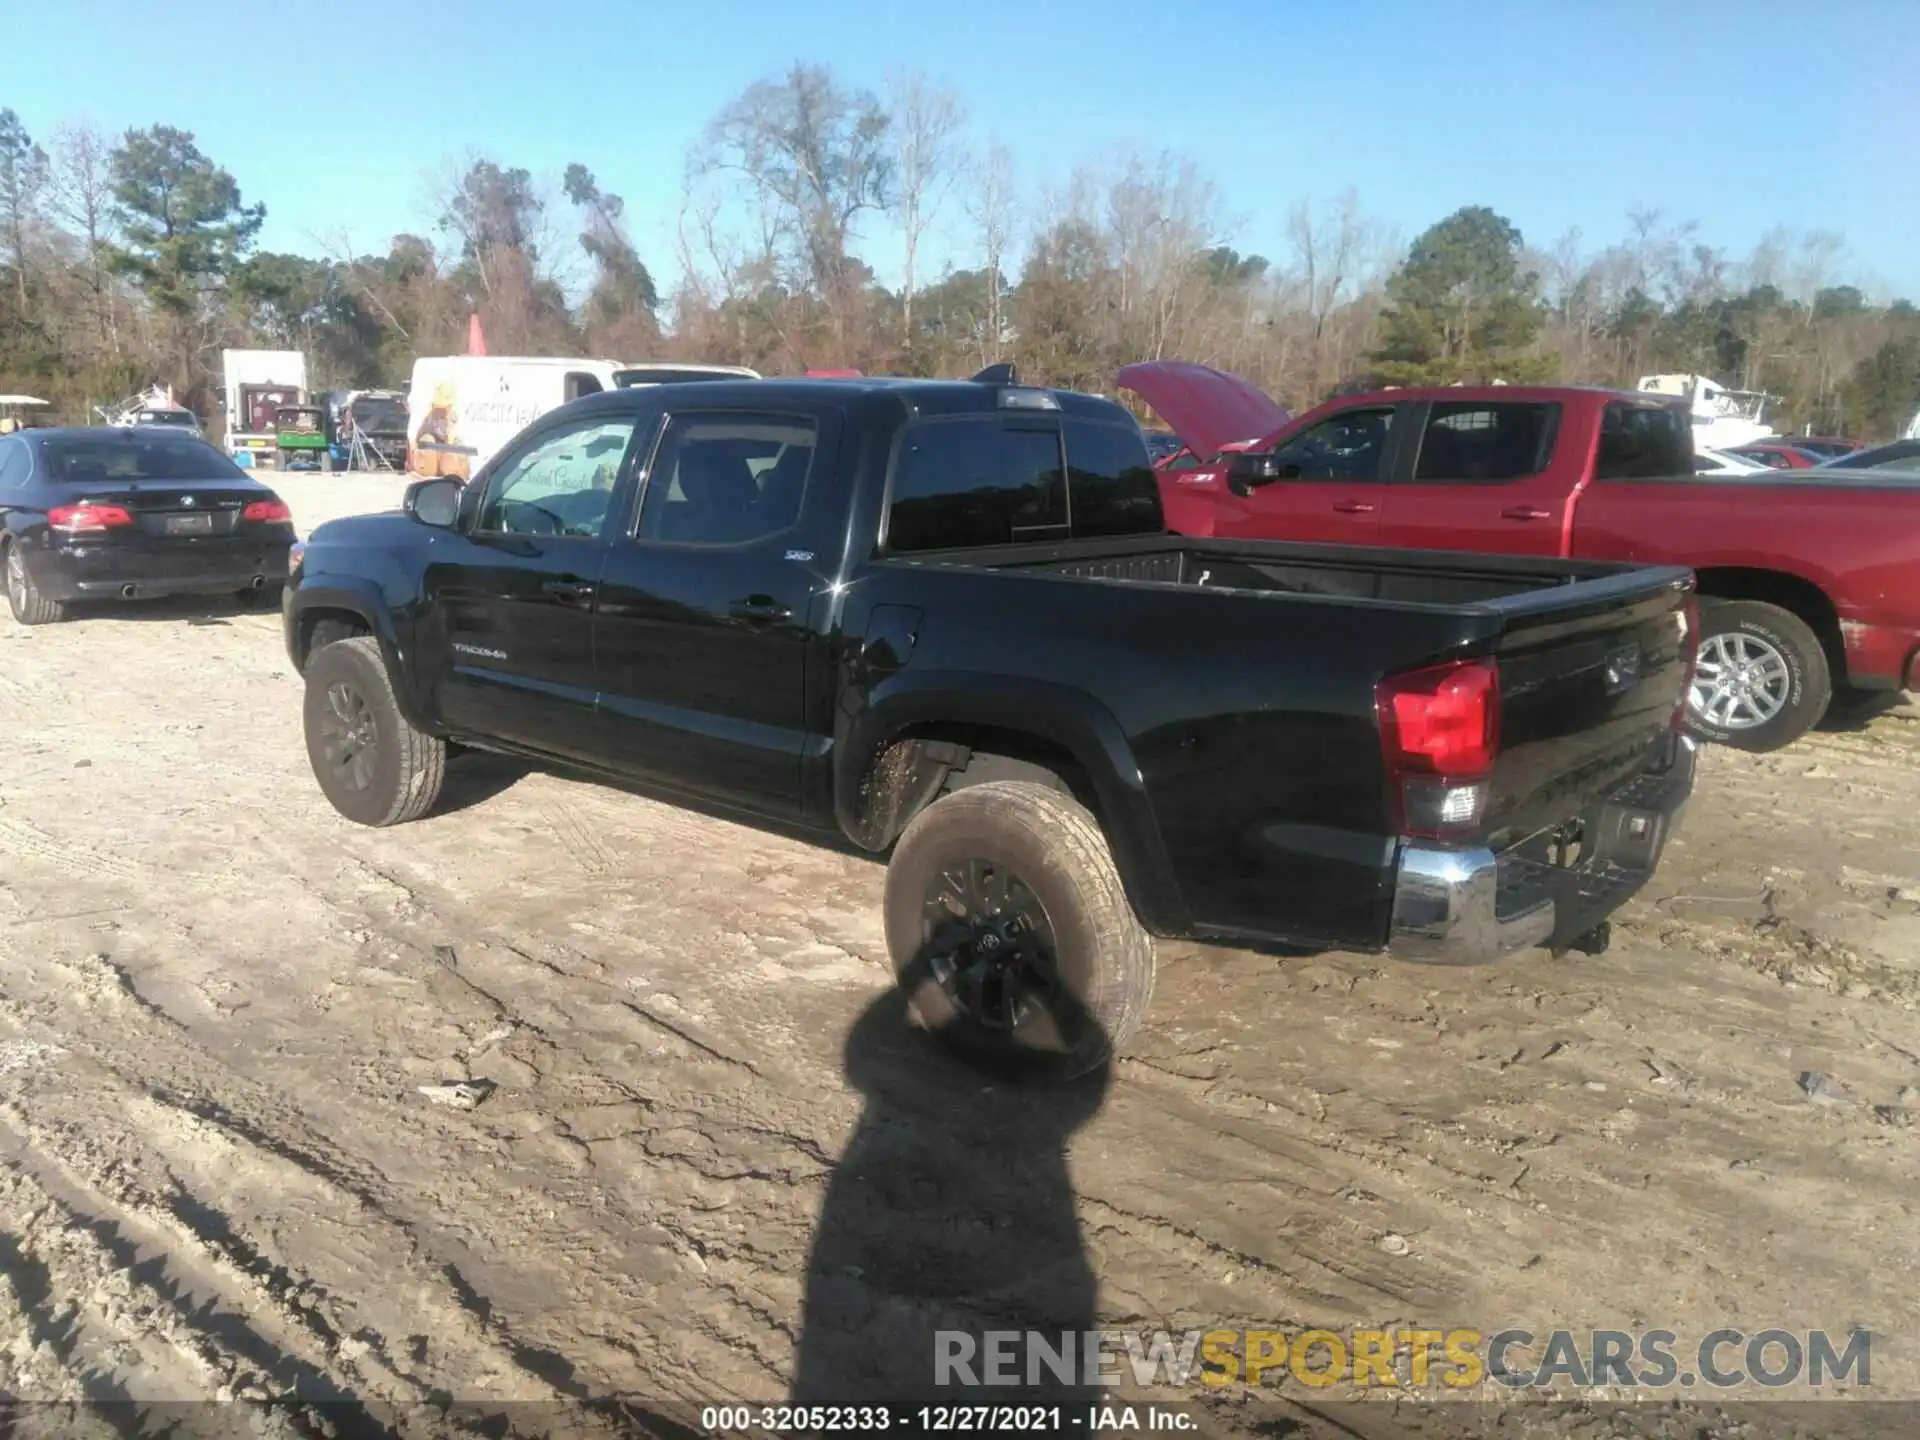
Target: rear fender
[[892, 753]]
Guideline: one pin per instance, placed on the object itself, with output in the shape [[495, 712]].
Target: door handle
[[763, 609], [1353, 507], [1525, 512], [568, 592]]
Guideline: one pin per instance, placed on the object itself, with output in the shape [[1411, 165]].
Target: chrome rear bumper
[[1462, 907]]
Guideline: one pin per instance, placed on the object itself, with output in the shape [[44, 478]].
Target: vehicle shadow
[[475, 777], [193, 609], [1855, 710], [950, 1214]]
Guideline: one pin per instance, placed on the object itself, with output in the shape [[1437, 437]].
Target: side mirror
[[1246, 472], [434, 502]]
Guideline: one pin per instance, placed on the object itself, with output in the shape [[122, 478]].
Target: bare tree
[[80, 195], [1163, 214], [822, 156], [926, 125], [990, 208], [1335, 252]]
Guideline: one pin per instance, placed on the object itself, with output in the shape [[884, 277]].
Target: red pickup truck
[[1809, 579]]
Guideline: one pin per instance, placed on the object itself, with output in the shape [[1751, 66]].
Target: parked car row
[[1807, 576]]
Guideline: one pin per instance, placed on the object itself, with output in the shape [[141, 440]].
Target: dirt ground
[[219, 1176]]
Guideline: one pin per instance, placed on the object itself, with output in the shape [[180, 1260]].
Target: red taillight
[[270, 512], [1440, 733], [86, 519], [1442, 721]]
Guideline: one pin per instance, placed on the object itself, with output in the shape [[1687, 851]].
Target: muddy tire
[[1011, 935], [24, 599], [373, 766], [1763, 679]]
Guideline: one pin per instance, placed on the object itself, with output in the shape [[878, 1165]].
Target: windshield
[[378, 415], [182, 418], [81, 460]]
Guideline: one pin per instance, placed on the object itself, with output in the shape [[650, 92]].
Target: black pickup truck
[[943, 619]]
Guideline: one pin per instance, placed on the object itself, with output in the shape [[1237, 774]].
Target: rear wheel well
[[323, 627], [989, 753], [1792, 594]]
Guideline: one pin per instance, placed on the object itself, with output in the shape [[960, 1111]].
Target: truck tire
[[373, 766], [24, 599], [1763, 679], [1011, 935]]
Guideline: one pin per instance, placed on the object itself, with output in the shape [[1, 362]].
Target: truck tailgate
[[1585, 691]]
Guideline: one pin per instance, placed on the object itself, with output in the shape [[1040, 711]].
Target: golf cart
[[17, 412], [300, 438]]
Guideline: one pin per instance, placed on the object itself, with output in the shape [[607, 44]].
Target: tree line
[[133, 259]]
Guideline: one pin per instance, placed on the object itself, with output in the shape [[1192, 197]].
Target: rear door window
[[1110, 481], [727, 479], [13, 464], [1468, 442], [977, 481], [1643, 442]]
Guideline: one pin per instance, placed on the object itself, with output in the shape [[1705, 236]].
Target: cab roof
[[912, 397]]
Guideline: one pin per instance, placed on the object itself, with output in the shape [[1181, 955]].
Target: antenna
[[997, 375]]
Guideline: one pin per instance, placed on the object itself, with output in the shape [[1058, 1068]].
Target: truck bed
[[1591, 665]]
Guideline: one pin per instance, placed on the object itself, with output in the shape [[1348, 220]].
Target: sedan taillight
[[87, 518], [268, 512]]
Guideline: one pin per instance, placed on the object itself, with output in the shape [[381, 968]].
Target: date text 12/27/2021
[[945, 1419]]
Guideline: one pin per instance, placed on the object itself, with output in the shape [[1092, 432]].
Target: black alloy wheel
[[990, 945], [349, 740]]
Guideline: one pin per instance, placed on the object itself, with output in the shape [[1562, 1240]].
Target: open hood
[[1209, 409]]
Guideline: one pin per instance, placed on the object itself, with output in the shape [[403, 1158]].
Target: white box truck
[[259, 382]]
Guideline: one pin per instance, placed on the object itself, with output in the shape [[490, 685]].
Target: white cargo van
[[463, 408]]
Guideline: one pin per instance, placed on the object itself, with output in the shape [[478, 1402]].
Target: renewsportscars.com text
[[1456, 1359]]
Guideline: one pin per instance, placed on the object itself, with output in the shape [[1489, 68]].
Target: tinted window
[[977, 482], [1348, 446], [13, 463], [560, 485], [1638, 441], [378, 415], [1471, 441], [1891, 457], [156, 455], [1110, 482], [727, 479]]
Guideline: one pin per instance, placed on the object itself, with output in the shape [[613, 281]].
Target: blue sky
[[1742, 115]]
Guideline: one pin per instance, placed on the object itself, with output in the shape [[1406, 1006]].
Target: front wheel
[[24, 599], [1010, 932], [1762, 680], [371, 763]]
